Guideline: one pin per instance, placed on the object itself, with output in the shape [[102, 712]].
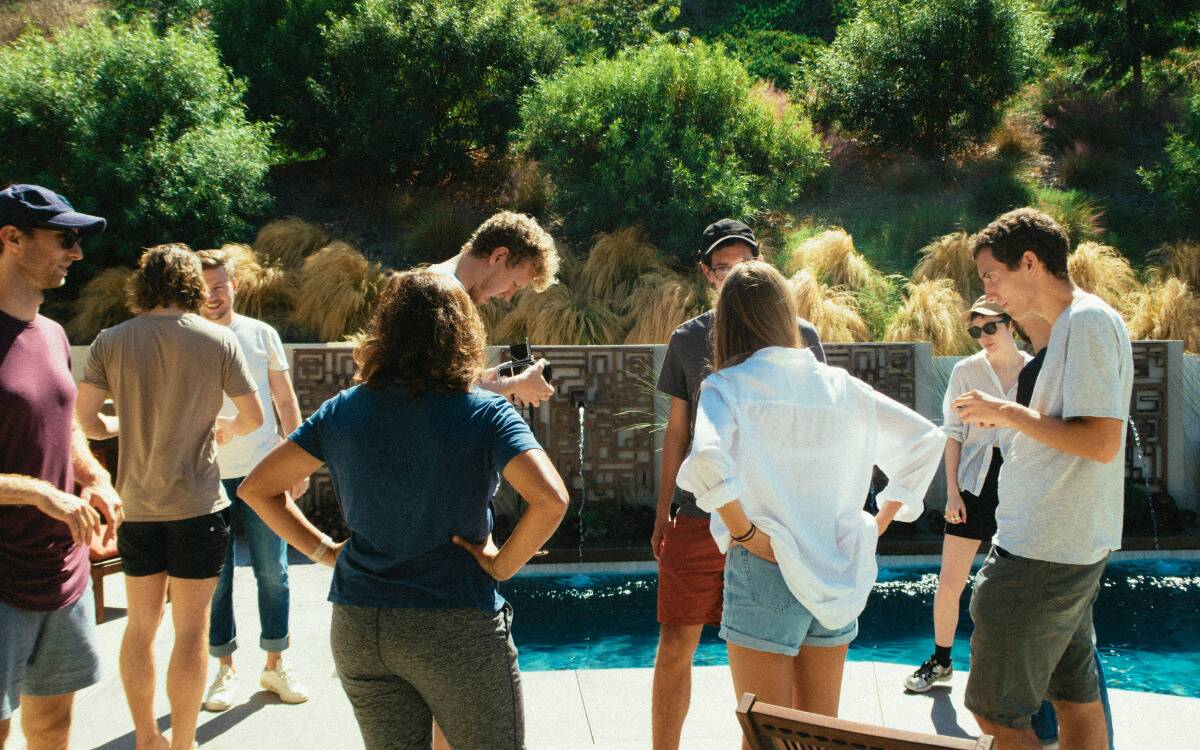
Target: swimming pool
[[1147, 623]]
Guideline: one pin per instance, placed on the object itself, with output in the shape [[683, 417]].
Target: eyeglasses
[[988, 328], [67, 238]]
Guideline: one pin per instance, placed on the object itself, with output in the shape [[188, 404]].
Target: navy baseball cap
[[726, 230], [35, 206]]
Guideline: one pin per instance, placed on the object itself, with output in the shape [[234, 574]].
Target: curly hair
[[167, 275], [525, 240], [425, 336], [1010, 235]]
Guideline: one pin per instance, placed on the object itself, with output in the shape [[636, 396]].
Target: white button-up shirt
[[794, 441], [974, 373]]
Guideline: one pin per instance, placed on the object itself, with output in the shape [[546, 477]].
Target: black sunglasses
[[67, 238], [988, 328]]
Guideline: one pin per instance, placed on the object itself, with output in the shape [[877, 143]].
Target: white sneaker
[[283, 683], [223, 692]]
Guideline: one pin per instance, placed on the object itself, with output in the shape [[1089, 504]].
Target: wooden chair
[[105, 561], [770, 727]]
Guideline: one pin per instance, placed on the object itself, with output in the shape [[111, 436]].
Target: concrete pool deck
[[565, 710]]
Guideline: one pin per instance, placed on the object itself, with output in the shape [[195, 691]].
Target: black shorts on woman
[[981, 508]]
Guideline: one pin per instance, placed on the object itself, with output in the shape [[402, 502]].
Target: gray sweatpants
[[403, 668]]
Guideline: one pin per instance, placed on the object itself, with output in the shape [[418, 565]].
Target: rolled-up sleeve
[[952, 424], [909, 449], [708, 471]]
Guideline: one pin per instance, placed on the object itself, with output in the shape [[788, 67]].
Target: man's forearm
[[673, 452], [87, 469], [18, 489], [1076, 437], [289, 412]]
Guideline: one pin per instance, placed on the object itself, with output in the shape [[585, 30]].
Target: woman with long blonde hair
[[782, 457]]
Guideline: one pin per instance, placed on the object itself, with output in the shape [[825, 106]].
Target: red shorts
[[691, 574]]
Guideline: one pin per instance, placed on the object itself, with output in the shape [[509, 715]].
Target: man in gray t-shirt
[[690, 566], [1061, 493]]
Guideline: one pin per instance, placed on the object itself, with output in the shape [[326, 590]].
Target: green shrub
[[163, 13], [416, 88], [1179, 177], [146, 130], [926, 74], [667, 138], [277, 47], [607, 26], [778, 56]]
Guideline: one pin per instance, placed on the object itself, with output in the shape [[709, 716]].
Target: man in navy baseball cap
[[40, 233], [53, 492]]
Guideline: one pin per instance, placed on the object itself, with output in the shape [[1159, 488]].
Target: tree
[[668, 137], [1110, 39], [926, 74]]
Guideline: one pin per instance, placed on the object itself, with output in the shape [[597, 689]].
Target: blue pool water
[[1147, 623]]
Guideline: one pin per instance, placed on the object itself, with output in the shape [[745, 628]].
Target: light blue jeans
[[268, 558]]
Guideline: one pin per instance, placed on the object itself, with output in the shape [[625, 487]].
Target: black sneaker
[[927, 674]]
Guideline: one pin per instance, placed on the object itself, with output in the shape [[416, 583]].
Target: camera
[[521, 359]]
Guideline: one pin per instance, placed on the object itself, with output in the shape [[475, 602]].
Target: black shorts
[[981, 508], [191, 548]]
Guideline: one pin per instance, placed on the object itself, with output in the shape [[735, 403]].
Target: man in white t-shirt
[[1061, 493], [505, 254], [268, 364]]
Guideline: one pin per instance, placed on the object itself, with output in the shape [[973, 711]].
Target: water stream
[[1139, 462]]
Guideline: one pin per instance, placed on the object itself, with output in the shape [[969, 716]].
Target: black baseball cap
[[726, 230], [35, 206]]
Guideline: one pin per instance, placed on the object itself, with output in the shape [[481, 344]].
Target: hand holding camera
[[528, 379]]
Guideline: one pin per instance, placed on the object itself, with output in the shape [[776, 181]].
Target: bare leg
[[188, 670], [769, 676], [817, 679], [146, 598], [672, 691], [957, 555], [46, 720], [1081, 726], [1008, 738], [273, 658]]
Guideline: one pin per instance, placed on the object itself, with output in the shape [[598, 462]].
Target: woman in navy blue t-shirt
[[415, 452]]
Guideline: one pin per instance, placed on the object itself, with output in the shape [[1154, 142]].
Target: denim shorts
[[760, 611], [47, 653]]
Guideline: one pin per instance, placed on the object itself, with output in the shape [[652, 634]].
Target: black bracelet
[[745, 537]]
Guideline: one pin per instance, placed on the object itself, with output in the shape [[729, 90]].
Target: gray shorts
[[1033, 637], [403, 668], [47, 653]]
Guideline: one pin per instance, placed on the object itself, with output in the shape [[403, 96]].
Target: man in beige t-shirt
[[167, 370]]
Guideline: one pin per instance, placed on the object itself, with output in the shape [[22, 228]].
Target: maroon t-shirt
[[41, 569]]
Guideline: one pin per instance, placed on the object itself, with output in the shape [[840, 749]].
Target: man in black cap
[[48, 647], [690, 566]]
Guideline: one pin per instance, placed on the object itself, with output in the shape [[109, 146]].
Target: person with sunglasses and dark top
[[53, 492], [973, 463]]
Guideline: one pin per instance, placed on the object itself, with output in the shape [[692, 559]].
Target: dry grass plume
[[949, 257], [932, 311], [1103, 271], [615, 263], [831, 310], [659, 304], [101, 305], [1182, 260], [338, 290], [832, 258], [1166, 310], [289, 241]]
